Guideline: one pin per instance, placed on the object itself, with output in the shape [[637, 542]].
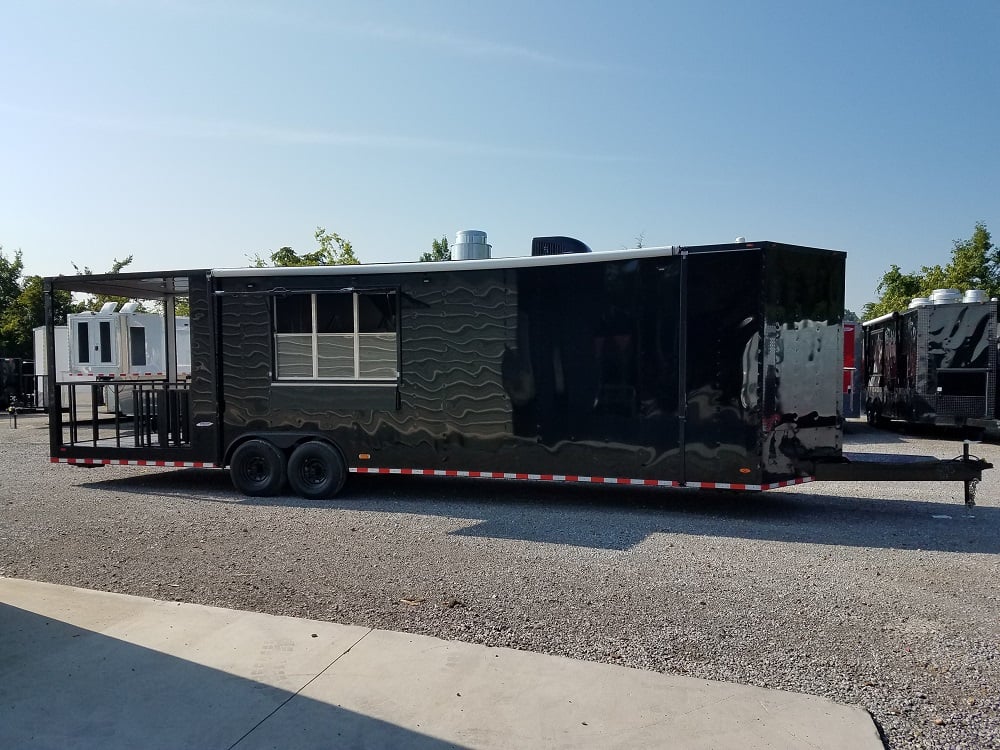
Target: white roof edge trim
[[517, 261], [880, 318]]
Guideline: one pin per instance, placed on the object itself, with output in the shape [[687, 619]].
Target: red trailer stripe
[[520, 476], [578, 479], [137, 462]]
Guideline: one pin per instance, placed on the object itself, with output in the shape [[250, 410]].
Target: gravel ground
[[886, 595]]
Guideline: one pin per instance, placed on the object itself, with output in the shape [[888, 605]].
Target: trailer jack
[[970, 484], [970, 492]]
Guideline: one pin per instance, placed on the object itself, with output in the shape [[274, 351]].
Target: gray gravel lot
[[884, 595]]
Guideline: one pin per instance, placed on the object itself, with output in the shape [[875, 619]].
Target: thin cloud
[[476, 47], [463, 45], [203, 129]]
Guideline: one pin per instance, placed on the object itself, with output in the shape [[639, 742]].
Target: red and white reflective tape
[[133, 462], [737, 486], [125, 375], [576, 478]]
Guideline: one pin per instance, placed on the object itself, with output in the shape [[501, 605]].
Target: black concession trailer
[[717, 366], [933, 364]]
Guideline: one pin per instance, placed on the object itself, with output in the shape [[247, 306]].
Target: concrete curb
[[91, 669]]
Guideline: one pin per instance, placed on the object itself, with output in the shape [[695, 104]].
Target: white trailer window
[[102, 346], [137, 345], [83, 342], [336, 336], [105, 336]]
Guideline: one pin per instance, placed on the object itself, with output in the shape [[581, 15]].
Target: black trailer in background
[[714, 366], [17, 383], [934, 364]]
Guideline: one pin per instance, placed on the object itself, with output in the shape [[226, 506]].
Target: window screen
[[335, 313], [293, 314]]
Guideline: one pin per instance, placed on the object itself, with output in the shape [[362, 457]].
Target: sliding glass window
[[336, 336]]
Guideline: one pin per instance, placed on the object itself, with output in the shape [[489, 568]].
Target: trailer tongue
[[880, 467]]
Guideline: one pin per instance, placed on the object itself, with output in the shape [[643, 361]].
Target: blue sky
[[193, 134]]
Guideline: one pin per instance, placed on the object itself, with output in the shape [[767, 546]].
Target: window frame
[[355, 335]]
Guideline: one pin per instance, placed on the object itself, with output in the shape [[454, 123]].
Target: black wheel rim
[[256, 470], [313, 472]]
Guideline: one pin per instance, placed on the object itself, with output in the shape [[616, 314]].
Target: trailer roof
[[525, 261], [522, 261], [159, 284], [148, 285]]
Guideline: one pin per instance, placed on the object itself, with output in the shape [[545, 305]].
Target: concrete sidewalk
[[89, 669]]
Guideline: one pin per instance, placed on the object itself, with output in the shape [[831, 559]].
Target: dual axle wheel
[[314, 470]]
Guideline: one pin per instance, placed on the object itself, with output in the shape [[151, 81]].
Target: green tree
[[638, 244], [10, 289], [22, 307], [974, 264], [895, 291], [96, 301], [28, 312], [439, 251], [333, 250]]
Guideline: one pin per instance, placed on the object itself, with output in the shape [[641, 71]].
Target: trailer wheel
[[258, 469], [316, 470]]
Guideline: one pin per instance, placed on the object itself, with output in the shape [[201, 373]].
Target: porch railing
[[126, 414]]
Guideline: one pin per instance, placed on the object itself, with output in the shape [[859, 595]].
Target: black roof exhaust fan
[[557, 246]]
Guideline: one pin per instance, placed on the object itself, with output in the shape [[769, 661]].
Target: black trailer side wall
[[661, 368], [205, 426], [520, 370], [724, 301]]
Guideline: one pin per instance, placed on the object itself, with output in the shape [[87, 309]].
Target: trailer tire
[[316, 471], [258, 469]]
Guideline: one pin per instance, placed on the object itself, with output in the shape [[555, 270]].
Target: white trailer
[[61, 334], [121, 346], [125, 343]]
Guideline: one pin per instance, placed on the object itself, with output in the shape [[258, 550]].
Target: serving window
[[336, 336]]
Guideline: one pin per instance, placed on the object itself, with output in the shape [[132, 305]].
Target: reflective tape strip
[[573, 478], [133, 462], [788, 483], [576, 478]]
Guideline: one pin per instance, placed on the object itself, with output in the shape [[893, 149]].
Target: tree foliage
[[22, 307], [333, 250], [439, 251], [974, 264], [96, 301], [10, 289]]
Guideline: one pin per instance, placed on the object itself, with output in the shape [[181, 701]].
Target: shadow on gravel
[[619, 518], [858, 432]]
